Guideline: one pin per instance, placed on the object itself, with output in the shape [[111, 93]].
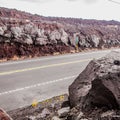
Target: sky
[[86, 9]]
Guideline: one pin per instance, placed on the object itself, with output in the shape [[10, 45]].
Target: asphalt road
[[22, 82]]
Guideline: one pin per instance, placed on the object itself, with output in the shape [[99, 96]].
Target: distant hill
[[13, 13]]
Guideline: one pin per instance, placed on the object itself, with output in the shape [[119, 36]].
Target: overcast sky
[[86, 9]]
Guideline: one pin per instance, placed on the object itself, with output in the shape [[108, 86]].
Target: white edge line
[[36, 85]]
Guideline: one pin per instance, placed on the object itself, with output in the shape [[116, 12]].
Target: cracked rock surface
[[98, 85]]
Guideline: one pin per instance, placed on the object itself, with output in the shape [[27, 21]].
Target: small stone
[[108, 113], [79, 116], [63, 112], [44, 113], [31, 118], [116, 62]]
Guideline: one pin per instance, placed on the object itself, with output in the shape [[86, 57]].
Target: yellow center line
[[41, 67]]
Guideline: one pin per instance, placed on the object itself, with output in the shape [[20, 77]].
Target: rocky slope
[[46, 110], [26, 35]]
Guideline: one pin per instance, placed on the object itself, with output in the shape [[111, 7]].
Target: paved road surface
[[22, 82]]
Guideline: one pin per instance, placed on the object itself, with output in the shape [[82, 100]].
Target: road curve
[[23, 81]]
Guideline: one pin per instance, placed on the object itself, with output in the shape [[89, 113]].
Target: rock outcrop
[[98, 86], [26, 35]]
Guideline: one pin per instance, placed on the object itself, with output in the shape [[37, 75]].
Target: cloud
[[30, 0], [72, 0], [34, 1], [114, 1], [91, 1], [86, 1]]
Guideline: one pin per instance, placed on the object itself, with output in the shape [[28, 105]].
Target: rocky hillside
[[26, 35]]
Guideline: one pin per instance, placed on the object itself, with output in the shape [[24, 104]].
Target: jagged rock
[[63, 112], [108, 113], [45, 113], [98, 85], [41, 41], [79, 116], [96, 40], [31, 118], [1, 31], [16, 31], [64, 37], [55, 35], [27, 39]]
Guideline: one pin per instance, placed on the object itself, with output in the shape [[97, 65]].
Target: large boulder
[[98, 85]]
